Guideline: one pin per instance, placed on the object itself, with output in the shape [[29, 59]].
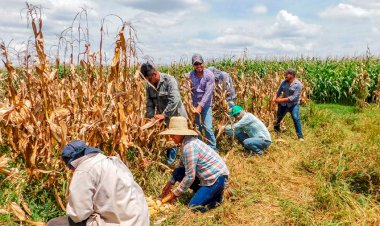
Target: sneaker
[[301, 139]]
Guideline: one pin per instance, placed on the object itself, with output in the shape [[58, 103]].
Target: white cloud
[[345, 11], [260, 9], [164, 5], [368, 10], [290, 25]]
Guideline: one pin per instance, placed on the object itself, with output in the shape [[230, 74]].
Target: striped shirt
[[200, 161]]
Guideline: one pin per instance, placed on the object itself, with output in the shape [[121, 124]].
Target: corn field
[[47, 103]]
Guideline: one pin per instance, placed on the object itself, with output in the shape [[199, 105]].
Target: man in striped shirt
[[201, 169]]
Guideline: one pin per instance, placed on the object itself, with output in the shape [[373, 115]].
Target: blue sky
[[169, 30]]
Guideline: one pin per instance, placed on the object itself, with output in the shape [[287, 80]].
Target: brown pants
[[64, 221]]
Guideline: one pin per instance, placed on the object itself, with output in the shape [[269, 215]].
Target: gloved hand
[[171, 196], [166, 190]]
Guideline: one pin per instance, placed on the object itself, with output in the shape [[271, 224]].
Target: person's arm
[[278, 93], [81, 193], [246, 120], [208, 92], [190, 163], [174, 99], [150, 106]]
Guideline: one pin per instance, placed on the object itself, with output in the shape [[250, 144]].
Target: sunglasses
[[197, 64]]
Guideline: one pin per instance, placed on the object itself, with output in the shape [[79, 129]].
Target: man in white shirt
[[102, 190]]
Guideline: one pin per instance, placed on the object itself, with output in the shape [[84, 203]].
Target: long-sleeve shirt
[[291, 91], [251, 125], [202, 89], [224, 81], [200, 161], [165, 99], [103, 190]]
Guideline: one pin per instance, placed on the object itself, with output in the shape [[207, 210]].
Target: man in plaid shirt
[[201, 169]]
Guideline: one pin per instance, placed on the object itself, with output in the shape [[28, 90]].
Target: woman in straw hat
[[201, 169]]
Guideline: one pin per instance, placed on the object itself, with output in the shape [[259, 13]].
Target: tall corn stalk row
[[103, 105], [42, 112]]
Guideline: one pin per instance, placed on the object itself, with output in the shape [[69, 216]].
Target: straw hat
[[178, 126]]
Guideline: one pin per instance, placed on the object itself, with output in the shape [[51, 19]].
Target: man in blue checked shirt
[[202, 90], [201, 169], [290, 89], [249, 131]]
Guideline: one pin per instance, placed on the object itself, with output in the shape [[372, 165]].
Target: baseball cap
[[197, 58]]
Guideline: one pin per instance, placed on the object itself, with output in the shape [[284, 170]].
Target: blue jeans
[[205, 197], [206, 126], [171, 154], [294, 112], [251, 144]]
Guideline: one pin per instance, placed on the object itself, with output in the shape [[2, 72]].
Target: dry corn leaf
[[26, 208], [3, 211], [34, 223], [16, 210]]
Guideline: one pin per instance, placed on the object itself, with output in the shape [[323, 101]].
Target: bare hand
[[199, 109], [159, 117], [166, 190]]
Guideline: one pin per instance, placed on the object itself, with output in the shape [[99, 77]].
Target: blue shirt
[[224, 81], [250, 125], [202, 88], [291, 91]]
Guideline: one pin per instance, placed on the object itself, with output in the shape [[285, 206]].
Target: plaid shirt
[[200, 161]]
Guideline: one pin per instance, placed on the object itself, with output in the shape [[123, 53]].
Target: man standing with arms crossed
[[290, 89], [202, 89]]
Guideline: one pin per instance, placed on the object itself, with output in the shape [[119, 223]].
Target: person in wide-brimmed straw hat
[[201, 168]]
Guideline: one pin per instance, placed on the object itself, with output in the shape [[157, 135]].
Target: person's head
[[198, 63], [237, 112], [178, 129], [290, 75], [74, 150], [150, 73]]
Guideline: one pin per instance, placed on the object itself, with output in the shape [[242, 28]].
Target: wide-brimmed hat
[[178, 126]]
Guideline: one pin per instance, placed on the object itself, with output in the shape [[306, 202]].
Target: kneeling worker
[[102, 190], [201, 169], [249, 131]]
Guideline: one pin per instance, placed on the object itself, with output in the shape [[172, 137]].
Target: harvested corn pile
[[155, 206]]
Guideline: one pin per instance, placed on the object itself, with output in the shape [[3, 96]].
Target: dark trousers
[[294, 112], [64, 221]]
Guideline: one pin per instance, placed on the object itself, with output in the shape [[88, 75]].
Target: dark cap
[[290, 71], [76, 149], [197, 58], [147, 69]]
